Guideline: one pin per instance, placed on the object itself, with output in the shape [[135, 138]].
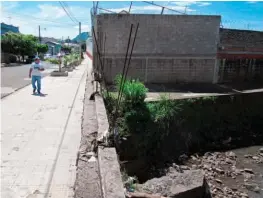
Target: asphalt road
[[16, 77]]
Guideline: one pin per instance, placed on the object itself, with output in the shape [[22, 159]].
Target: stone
[[229, 161], [261, 150], [218, 181], [248, 170], [191, 183], [220, 171], [248, 156], [255, 158], [243, 195], [184, 167], [231, 154], [252, 187]]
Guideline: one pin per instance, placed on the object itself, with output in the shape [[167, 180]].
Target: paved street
[[13, 78], [40, 137]]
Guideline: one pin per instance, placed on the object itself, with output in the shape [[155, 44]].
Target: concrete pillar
[[222, 69], [253, 67], [216, 71], [146, 70]]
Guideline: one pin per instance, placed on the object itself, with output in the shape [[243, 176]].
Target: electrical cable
[[67, 12], [40, 19], [35, 20]]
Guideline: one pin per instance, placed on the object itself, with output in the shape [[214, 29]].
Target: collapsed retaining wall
[[168, 48]]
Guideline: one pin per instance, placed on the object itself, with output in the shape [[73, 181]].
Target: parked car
[[47, 56]]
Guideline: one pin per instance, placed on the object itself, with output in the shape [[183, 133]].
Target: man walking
[[35, 72]]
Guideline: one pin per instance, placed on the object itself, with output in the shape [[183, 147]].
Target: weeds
[[167, 126]]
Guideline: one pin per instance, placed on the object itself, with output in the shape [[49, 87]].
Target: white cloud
[[190, 3], [8, 5], [52, 19], [48, 11], [204, 4]]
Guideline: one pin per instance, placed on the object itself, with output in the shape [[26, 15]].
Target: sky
[[54, 21]]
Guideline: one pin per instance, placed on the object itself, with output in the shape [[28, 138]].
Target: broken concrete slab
[[109, 168], [88, 183], [190, 183], [103, 124]]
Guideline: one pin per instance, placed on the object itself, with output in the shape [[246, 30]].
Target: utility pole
[[80, 40], [79, 28], [39, 34]]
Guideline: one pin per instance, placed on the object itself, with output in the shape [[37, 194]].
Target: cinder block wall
[[168, 48]]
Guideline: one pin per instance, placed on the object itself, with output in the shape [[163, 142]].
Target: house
[[81, 38], [53, 47], [8, 28], [240, 55]]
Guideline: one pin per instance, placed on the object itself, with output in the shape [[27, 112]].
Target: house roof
[[55, 43]]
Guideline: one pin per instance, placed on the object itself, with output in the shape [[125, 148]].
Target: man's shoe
[[34, 91]]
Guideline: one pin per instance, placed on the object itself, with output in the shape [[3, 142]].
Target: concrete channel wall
[[168, 48], [109, 167]]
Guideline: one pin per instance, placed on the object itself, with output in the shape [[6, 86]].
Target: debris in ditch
[[252, 187], [190, 183], [142, 195], [248, 170]]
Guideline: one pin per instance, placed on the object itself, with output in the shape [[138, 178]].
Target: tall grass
[[133, 91]]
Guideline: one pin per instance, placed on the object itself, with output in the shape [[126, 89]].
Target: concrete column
[[222, 68], [253, 67], [146, 70], [216, 71]]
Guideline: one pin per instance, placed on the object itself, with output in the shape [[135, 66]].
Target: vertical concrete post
[[222, 69], [253, 67], [216, 70], [146, 70]]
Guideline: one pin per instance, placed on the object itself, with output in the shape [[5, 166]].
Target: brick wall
[[168, 48], [241, 55]]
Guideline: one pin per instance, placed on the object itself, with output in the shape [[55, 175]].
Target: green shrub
[[133, 91], [53, 60], [168, 127]]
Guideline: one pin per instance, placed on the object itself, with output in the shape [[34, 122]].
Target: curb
[[21, 88], [109, 167]]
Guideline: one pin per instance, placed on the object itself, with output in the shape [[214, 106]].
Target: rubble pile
[[219, 167]]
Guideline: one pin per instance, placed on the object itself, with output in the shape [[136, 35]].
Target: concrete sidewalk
[[41, 137]]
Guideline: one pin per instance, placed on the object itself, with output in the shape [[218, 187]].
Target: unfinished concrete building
[[241, 55], [175, 48]]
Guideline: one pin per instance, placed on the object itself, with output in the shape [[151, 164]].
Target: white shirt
[[35, 67]]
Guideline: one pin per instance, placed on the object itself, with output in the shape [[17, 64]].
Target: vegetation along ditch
[[150, 137]]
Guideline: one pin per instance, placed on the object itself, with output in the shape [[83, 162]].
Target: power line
[[39, 19], [163, 7], [51, 25], [67, 12]]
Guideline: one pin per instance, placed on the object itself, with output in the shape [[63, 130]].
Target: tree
[[19, 44], [66, 48], [42, 48]]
